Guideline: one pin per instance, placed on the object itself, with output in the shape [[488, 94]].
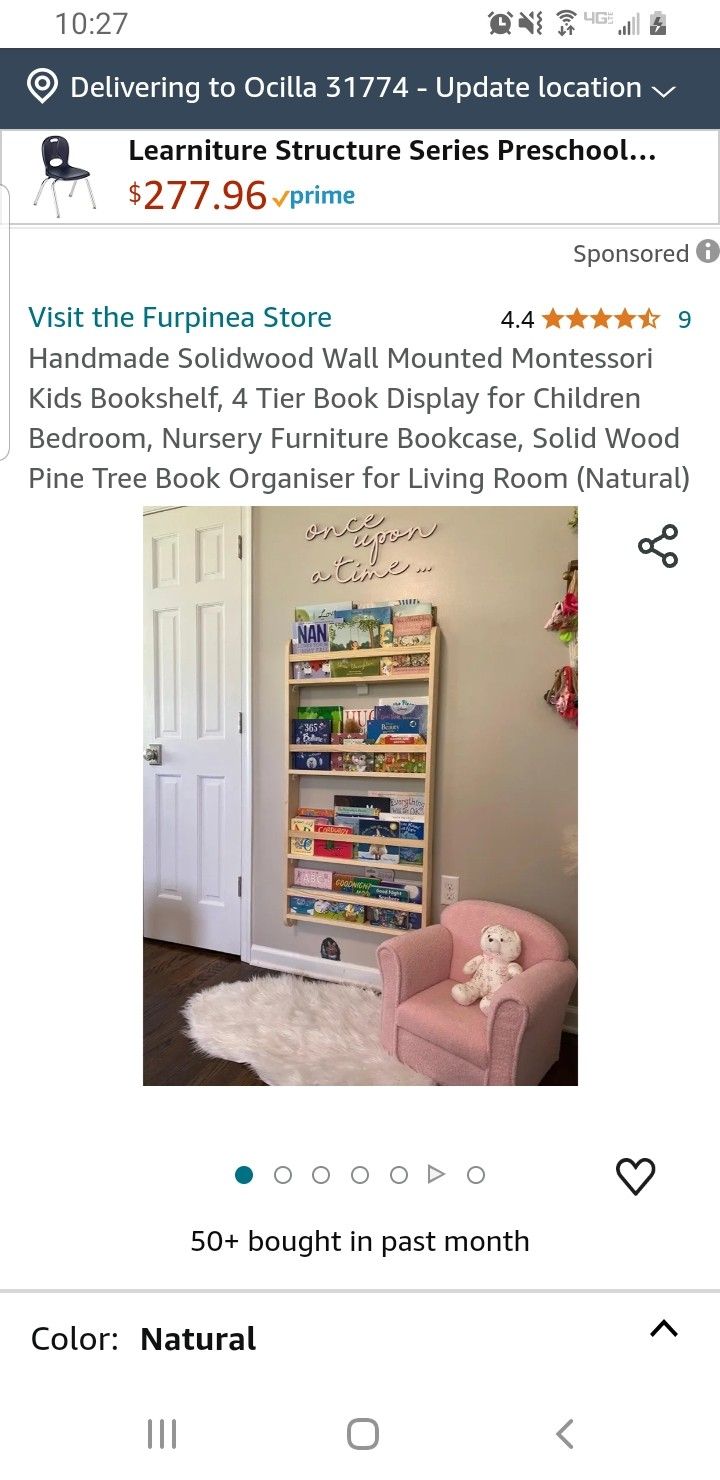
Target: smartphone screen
[[335, 349]]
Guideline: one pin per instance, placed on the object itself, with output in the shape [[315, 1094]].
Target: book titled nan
[[311, 638]]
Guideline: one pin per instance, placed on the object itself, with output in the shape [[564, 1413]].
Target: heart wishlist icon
[[635, 1174]]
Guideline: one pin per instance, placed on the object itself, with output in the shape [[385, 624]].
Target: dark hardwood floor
[[173, 973]]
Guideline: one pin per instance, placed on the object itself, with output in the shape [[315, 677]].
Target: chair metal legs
[[40, 191], [72, 192], [89, 186]]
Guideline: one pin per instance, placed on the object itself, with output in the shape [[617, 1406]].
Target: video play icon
[[42, 82]]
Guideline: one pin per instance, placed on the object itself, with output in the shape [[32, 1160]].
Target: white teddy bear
[[497, 962]]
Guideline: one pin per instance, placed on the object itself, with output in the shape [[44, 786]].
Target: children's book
[[383, 615], [354, 884], [322, 613], [353, 760], [362, 629], [310, 760], [347, 820], [311, 731], [310, 637], [399, 761], [416, 665], [313, 878], [393, 919], [367, 805], [405, 716], [391, 732], [388, 853], [378, 827], [331, 712], [399, 803], [302, 824], [339, 911], [302, 845], [355, 721], [329, 841], [412, 623]]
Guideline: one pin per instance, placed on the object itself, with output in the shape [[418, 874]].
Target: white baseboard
[[342, 971], [571, 1021], [326, 971]]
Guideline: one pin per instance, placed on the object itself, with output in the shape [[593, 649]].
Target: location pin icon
[[42, 83]]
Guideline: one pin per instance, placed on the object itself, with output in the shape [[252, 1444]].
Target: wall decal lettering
[[369, 535]]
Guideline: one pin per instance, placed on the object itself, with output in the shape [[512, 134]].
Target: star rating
[[578, 319]]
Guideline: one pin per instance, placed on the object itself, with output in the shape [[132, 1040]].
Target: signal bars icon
[[632, 27]]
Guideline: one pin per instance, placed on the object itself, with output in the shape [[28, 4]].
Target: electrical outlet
[[449, 889]]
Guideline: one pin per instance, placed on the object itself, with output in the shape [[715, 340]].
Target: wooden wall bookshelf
[[424, 781]]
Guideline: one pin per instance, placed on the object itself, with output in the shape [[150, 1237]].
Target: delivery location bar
[[374, 88]]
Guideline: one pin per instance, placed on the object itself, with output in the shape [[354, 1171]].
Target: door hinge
[[240, 540], [239, 886]]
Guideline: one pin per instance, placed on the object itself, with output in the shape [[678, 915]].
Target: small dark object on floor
[[173, 973]]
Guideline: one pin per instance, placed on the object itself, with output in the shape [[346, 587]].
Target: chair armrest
[[410, 964], [525, 1021]]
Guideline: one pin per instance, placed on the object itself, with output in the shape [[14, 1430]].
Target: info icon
[[708, 250]]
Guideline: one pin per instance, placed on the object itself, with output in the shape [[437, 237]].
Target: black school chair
[[56, 153]]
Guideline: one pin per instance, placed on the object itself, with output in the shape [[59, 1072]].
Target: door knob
[[153, 755]]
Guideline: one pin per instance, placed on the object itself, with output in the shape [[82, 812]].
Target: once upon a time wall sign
[[371, 542]]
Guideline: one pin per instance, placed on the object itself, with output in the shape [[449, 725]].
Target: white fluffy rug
[[291, 1030]]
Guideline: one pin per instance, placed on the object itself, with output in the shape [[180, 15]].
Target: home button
[[363, 1433]]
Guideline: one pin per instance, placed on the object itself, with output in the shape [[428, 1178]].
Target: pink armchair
[[517, 1041]]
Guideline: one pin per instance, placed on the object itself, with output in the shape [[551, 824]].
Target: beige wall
[[506, 778]]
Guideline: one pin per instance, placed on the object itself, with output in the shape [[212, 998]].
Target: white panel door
[[194, 684]]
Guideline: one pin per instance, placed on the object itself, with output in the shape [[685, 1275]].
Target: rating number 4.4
[[510, 321]]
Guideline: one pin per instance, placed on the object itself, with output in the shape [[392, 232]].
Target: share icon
[[649, 546]]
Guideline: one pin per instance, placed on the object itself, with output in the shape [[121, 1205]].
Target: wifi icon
[[567, 22]]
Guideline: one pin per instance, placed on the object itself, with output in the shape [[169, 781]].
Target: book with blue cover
[[377, 827], [310, 732], [405, 716]]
